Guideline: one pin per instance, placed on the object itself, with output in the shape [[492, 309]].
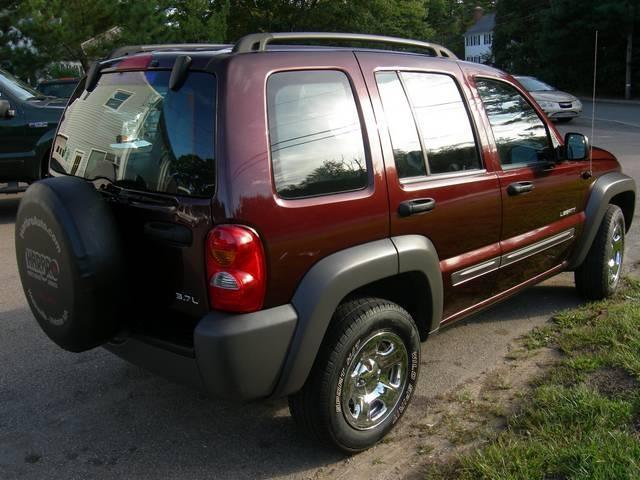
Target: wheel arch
[[363, 268], [611, 188], [42, 153]]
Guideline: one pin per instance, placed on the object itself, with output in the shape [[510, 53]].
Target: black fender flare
[[603, 190], [42, 151], [330, 280]]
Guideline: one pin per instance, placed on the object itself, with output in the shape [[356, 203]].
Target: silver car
[[560, 106]]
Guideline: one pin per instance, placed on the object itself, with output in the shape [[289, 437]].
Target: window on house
[[117, 99]]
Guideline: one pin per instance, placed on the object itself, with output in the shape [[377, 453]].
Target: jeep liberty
[[263, 220]]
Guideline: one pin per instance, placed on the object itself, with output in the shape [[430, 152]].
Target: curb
[[617, 101]]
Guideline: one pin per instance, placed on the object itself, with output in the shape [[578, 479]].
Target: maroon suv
[[262, 220]]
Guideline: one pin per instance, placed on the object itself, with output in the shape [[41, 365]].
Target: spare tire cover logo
[[42, 267]]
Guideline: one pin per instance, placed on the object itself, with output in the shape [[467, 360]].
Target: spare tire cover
[[71, 262]]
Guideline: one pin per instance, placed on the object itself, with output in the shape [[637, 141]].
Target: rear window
[[131, 129]]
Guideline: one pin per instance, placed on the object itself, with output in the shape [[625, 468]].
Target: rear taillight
[[235, 269]]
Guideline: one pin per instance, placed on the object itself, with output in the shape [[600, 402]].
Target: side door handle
[[518, 188], [417, 205]]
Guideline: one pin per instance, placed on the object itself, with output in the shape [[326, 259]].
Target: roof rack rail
[[257, 42], [133, 49]]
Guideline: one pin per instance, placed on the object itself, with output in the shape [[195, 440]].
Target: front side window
[[443, 122], [519, 133], [136, 132], [315, 134]]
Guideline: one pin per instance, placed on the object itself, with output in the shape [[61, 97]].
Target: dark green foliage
[[554, 40], [47, 31]]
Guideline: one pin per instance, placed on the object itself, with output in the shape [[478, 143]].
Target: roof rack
[[133, 49], [257, 42]]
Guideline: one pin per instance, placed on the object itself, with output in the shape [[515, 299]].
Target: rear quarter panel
[[295, 233]]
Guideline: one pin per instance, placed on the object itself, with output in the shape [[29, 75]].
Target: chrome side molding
[[488, 266]]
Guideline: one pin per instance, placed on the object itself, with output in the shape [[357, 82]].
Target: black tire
[[594, 279], [564, 120], [319, 408], [70, 262]]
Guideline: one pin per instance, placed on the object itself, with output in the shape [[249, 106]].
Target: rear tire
[[599, 275], [372, 346]]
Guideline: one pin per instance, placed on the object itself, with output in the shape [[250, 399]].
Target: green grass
[[582, 420]]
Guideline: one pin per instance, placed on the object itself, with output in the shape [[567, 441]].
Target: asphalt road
[[92, 415]]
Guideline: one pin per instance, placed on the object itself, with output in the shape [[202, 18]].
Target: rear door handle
[[519, 188], [417, 205]]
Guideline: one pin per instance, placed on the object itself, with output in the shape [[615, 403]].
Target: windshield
[[17, 88], [60, 90], [134, 131], [534, 85]]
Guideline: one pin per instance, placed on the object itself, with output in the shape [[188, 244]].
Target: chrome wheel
[[617, 251], [375, 379]]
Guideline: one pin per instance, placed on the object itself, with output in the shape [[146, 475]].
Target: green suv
[[28, 122]]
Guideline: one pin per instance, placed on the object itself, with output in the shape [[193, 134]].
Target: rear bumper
[[235, 356]]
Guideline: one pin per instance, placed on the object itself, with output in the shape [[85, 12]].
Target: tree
[[57, 28], [198, 20], [555, 41], [405, 18]]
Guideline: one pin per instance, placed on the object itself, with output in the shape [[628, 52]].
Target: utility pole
[[627, 83]]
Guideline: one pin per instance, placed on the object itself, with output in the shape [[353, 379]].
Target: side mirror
[[5, 109], [576, 146]]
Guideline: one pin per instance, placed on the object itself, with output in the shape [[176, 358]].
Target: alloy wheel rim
[[617, 251], [375, 379]]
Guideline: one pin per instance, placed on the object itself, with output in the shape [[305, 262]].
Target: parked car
[[58, 87], [263, 221], [28, 121], [558, 105]]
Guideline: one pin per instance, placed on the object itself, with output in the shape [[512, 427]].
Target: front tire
[[599, 275], [363, 377]]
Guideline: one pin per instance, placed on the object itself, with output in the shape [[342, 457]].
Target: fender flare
[[603, 190], [42, 149], [330, 280]]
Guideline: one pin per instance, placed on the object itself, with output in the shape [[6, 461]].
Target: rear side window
[[407, 151], [315, 134], [443, 122], [134, 131], [520, 134]]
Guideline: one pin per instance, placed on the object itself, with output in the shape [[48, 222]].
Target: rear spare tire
[[71, 262]]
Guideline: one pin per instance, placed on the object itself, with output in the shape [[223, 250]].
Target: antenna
[[593, 103]]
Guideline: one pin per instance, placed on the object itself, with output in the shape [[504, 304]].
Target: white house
[[478, 39]]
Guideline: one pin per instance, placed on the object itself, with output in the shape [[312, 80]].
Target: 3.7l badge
[[183, 297]]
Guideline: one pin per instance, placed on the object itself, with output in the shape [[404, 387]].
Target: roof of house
[[485, 24]]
